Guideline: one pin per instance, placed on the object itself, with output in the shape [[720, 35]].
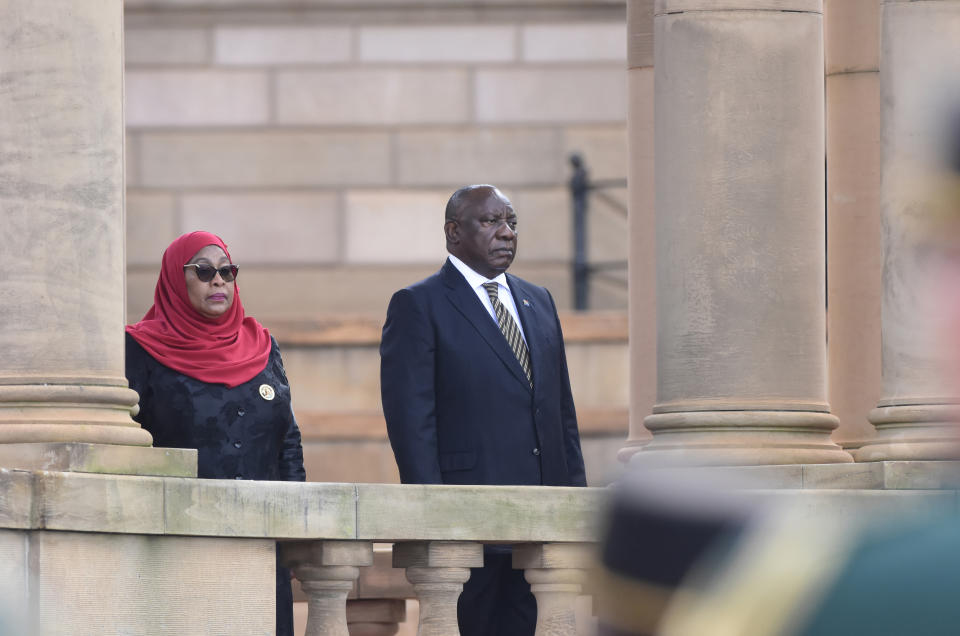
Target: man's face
[[485, 235]]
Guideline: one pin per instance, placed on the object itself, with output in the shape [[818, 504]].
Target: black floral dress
[[244, 432]]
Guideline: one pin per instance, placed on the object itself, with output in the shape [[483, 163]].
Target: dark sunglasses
[[206, 272]]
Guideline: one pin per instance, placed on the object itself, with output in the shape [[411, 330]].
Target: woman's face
[[213, 298]]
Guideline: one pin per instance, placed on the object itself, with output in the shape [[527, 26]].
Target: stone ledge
[[243, 508], [896, 475], [124, 504], [285, 510], [86, 502], [100, 458], [16, 499], [493, 514]]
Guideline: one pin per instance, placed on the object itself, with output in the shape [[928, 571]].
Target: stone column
[[916, 415], [739, 145], [62, 262], [62, 383], [438, 570], [556, 572], [642, 261], [854, 259], [327, 571]]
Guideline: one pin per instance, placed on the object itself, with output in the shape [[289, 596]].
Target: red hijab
[[231, 349]]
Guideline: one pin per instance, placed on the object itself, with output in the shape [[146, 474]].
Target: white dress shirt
[[476, 282]]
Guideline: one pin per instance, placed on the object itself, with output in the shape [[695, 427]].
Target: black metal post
[[579, 187]]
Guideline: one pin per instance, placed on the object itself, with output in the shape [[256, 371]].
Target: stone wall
[[151, 584], [322, 142]]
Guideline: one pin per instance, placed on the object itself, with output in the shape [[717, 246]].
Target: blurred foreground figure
[[680, 560], [683, 558], [661, 528]]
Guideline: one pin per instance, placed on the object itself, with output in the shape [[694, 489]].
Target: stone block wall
[[322, 139]]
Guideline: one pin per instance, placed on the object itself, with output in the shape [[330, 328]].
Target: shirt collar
[[474, 279]]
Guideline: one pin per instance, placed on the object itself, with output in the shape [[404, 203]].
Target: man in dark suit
[[475, 389]]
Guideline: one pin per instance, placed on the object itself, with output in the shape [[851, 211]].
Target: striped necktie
[[510, 330]]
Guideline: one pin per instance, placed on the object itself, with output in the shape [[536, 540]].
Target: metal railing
[[582, 188]]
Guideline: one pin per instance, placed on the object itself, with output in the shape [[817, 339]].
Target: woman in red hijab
[[211, 378]]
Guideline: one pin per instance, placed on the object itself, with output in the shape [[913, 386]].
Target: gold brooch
[[267, 392]]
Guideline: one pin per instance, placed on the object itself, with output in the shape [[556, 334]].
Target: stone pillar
[[642, 261], [854, 259], [741, 351], [62, 261], [916, 415], [438, 570], [556, 572], [327, 571]]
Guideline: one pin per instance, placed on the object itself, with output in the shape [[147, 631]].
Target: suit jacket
[[458, 405]]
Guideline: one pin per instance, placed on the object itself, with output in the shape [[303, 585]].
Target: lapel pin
[[526, 303]]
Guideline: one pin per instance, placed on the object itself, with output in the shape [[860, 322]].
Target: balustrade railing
[[437, 571], [438, 533], [186, 555], [327, 534]]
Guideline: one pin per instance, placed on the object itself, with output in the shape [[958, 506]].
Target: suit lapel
[[529, 320], [465, 300]]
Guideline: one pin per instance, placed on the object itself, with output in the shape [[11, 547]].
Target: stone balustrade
[[327, 532], [438, 534]]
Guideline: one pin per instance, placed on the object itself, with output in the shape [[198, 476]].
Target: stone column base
[[83, 411], [100, 458], [913, 432], [741, 438]]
